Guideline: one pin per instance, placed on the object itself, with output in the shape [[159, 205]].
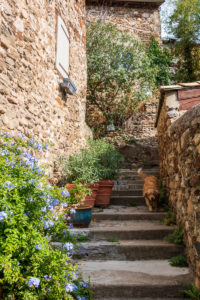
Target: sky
[[166, 11]]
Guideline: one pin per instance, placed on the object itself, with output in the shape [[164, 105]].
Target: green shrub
[[29, 267], [119, 73], [161, 60], [175, 237], [193, 293], [99, 160], [179, 261], [108, 159]]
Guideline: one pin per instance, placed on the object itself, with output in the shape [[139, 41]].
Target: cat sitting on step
[[151, 191]]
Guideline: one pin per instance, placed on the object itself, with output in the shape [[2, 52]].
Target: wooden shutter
[[62, 55]]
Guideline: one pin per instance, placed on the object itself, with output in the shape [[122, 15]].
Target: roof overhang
[[129, 3]]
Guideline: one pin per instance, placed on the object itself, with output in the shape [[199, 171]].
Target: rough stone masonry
[[31, 100], [178, 124]]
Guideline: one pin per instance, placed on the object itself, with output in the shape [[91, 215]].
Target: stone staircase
[[125, 256]]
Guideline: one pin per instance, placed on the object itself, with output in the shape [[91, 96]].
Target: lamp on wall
[[68, 86]]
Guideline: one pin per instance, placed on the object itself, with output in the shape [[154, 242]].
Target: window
[[62, 51]]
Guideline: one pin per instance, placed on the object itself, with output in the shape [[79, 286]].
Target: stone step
[[122, 213], [133, 171], [129, 181], [134, 176], [134, 192], [129, 230], [127, 200], [127, 187], [135, 279], [129, 250]]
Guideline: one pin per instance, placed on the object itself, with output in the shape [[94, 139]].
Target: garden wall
[[31, 98], [142, 123], [178, 124]]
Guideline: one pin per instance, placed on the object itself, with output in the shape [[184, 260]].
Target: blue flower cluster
[[70, 287], [33, 282], [5, 134], [65, 193], [48, 224], [4, 152], [9, 185], [21, 135], [38, 247], [72, 211], [47, 277], [69, 246], [3, 215]]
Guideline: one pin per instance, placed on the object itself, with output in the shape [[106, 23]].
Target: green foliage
[[29, 267], [119, 72], [179, 261], [109, 159], [82, 238], [161, 60], [185, 27], [112, 240], [133, 203], [193, 293], [170, 218], [176, 237], [99, 160], [77, 194]]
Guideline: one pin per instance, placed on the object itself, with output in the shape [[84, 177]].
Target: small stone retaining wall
[[31, 100], [178, 127]]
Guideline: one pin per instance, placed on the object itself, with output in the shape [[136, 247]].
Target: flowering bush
[[29, 267]]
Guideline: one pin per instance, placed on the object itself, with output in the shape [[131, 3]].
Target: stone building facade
[[178, 124], [141, 19], [32, 100]]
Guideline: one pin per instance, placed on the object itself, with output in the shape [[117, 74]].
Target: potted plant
[[98, 162], [80, 168], [108, 161], [81, 213]]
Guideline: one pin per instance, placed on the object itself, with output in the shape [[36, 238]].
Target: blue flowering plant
[[29, 267]]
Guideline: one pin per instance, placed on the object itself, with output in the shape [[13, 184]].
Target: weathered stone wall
[[142, 124], [139, 21], [31, 100], [179, 152]]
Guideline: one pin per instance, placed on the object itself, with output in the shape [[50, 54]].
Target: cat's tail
[[142, 175]]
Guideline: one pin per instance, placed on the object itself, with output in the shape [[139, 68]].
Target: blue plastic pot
[[82, 217]]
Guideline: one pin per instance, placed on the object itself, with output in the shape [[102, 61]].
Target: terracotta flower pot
[[104, 193], [90, 199], [69, 186]]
